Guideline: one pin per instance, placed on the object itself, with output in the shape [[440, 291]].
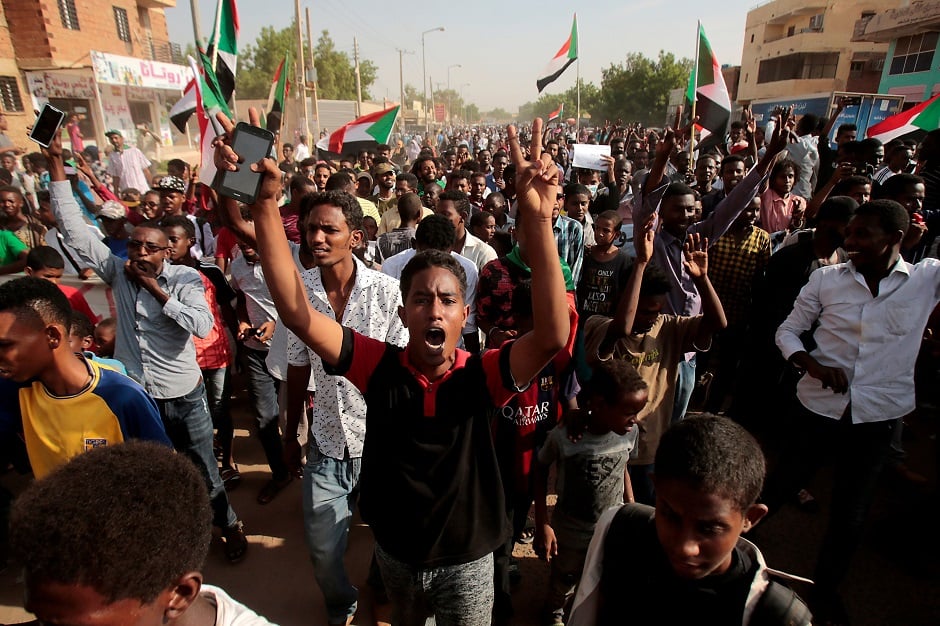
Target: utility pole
[[311, 64], [358, 78], [401, 89], [194, 7], [300, 73]]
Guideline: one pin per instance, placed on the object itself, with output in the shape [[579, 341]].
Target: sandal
[[231, 477], [527, 535], [274, 487], [236, 543]]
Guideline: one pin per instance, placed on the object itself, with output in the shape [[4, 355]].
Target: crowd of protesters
[[431, 331]]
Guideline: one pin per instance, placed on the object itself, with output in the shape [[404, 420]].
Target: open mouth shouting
[[434, 339]]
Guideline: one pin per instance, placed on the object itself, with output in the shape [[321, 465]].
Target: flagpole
[[698, 39], [577, 124], [216, 33]]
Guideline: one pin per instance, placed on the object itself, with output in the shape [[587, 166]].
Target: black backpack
[[778, 605]]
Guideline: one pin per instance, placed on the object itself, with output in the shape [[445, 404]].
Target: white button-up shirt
[[873, 339], [339, 409]]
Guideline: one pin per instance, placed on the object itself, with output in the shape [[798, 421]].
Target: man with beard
[[425, 168], [385, 180]]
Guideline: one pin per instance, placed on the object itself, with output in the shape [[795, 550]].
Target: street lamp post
[[424, 78], [449, 99]]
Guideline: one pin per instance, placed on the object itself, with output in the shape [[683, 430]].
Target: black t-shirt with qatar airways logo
[[430, 485]]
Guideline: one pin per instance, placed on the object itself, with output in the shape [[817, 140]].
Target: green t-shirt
[[10, 247]]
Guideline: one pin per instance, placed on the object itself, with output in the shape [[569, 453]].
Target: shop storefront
[[128, 94]]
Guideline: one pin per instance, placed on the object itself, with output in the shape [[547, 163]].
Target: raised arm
[[730, 207], [622, 323], [231, 216], [695, 250], [321, 333], [69, 217], [536, 187]]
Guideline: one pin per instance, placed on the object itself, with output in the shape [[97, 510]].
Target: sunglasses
[[152, 248]]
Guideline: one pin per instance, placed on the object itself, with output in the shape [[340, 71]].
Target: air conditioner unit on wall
[[816, 22]]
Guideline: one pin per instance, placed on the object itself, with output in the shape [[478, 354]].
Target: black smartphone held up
[[252, 144], [47, 125]]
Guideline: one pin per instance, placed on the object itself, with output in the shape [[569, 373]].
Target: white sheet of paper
[[588, 156]]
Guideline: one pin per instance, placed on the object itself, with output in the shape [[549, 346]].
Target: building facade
[[800, 47], [108, 61], [912, 64]]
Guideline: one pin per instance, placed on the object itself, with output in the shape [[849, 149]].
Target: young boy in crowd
[[685, 560], [779, 208], [591, 476], [605, 270], [44, 262], [105, 333], [655, 342], [82, 341], [430, 484], [124, 552], [69, 404]]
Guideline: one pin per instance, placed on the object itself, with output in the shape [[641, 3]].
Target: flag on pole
[[185, 107], [364, 132], [924, 116], [223, 46], [279, 88], [565, 56], [557, 113], [707, 88], [208, 103]]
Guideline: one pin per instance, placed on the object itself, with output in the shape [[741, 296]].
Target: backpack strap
[[780, 606]]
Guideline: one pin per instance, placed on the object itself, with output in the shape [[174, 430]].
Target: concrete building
[[110, 61], [912, 65], [800, 47]]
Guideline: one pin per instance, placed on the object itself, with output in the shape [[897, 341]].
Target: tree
[[258, 62], [547, 103], [336, 76], [498, 114], [638, 89], [412, 95]]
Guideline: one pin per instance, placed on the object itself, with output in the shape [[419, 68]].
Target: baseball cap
[[114, 131], [112, 210], [171, 183], [383, 168]]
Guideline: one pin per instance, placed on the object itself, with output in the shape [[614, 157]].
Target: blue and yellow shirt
[[111, 409]]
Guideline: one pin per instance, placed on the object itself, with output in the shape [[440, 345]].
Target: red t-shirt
[[79, 303], [225, 242]]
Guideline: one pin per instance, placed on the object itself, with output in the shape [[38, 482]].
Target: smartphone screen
[[252, 145], [47, 125]]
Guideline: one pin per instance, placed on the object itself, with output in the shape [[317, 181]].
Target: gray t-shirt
[[589, 478]]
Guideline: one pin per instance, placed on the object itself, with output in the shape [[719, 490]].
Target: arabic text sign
[[112, 69]]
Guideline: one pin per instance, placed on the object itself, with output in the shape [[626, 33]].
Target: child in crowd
[[124, 552], [781, 210], [591, 475], [685, 561], [605, 269], [105, 333], [82, 341], [46, 263]]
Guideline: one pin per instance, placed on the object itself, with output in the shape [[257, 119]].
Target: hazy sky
[[501, 46]]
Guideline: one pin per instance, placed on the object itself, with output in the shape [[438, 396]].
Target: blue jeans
[[685, 385], [456, 595], [263, 390], [189, 427], [217, 393], [330, 488]]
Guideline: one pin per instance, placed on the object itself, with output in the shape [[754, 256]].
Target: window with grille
[[914, 54], [123, 26], [803, 65], [10, 99], [68, 14]]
